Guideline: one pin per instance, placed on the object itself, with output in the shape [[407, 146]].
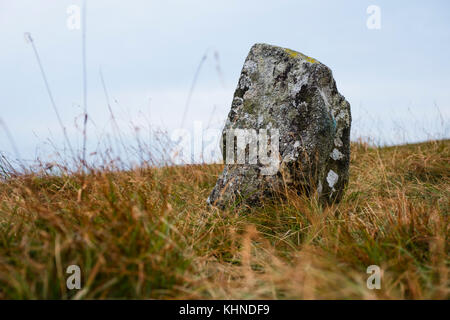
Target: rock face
[[288, 129]]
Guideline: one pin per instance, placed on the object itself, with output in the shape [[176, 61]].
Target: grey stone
[[286, 90]]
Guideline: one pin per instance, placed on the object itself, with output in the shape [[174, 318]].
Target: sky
[[396, 77]]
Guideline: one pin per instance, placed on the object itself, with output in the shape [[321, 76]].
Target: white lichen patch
[[325, 99], [336, 154], [260, 119], [244, 82], [343, 115], [332, 178], [290, 157], [250, 66], [338, 142]]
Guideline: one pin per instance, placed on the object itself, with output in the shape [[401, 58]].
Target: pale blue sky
[[395, 78]]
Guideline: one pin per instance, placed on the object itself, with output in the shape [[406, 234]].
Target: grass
[[148, 233]]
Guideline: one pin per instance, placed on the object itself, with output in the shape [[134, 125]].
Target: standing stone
[[293, 99]]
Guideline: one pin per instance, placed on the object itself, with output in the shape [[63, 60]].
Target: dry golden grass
[[148, 233]]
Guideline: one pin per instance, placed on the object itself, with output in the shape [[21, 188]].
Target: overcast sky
[[396, 78]]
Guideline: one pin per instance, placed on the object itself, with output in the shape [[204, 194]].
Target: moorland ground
[[148, 233]]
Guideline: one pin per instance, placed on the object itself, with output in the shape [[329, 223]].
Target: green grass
[[148, 233]]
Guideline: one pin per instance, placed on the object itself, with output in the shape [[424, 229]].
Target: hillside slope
[[149, 234]]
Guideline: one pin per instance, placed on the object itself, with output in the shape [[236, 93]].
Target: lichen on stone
[[286, 90]]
